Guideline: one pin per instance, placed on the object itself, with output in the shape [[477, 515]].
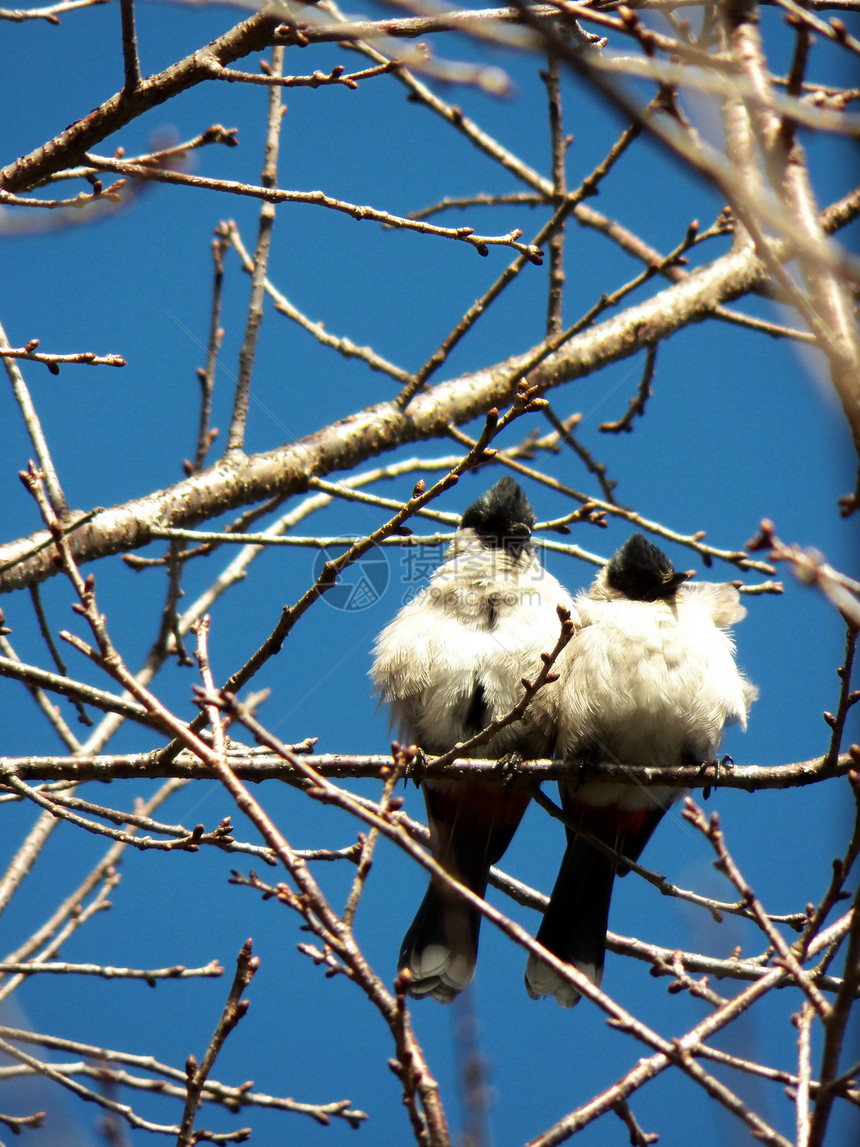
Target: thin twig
[[54, 361], [555, 299], [234, 1010], [342, 345], [269, 180], [710, 828], [206, 376], [34, 429], [276, 195], [637, 404], [131, 63], [49, 709]]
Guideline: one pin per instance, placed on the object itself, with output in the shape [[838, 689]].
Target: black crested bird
[[649, 680], [450, 663]]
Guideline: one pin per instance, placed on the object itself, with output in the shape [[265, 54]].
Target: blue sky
[[739, 428]]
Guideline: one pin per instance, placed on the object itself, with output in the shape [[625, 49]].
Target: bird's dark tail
[[472, 823], [441, 947], [575, 921]]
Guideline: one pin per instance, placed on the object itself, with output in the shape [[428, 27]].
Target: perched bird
[[649, 680], [450, 663]]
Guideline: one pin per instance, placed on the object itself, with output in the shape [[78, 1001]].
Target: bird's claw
[[506, 766], [725, 762], [417, 765]]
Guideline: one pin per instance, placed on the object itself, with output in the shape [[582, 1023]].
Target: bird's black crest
[[501, 517], [642, 572]]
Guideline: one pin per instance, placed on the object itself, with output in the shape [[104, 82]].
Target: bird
[[451, 662], [650, 679]]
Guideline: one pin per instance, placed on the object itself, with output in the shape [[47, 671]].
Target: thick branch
[[235, 482], [68, 148], [241, 481], [258, 765]]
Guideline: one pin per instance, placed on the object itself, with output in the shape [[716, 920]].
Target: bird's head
[[642, 572], [502, 518]]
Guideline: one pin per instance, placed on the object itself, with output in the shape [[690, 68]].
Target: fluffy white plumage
[[484, 621], [654, 682], [649, 680]]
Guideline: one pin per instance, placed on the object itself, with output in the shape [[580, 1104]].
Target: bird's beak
[[677, 578]]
